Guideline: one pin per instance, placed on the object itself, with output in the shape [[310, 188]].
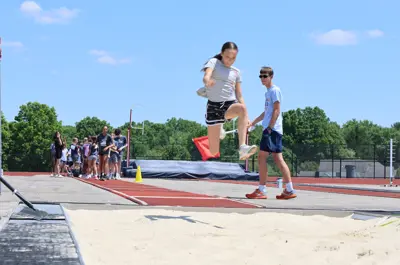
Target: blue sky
[[100, 58]]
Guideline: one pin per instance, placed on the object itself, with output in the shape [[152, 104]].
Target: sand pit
[[157, 236]]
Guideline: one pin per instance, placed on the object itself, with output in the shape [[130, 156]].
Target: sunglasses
[[263, 76]]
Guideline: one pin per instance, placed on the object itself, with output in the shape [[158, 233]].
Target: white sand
[[128, 237]]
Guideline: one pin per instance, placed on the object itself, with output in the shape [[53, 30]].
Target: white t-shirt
[[272, 95], [64, 154], [225, 81]]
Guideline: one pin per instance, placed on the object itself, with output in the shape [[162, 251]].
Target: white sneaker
[[118, 176], [245, 151]]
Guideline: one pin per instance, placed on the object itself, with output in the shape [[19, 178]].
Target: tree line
[[309, 135]]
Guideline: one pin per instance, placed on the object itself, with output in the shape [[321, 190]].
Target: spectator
[[113, 158], [58, 146], [63, 162], [75, 155], [104, 141], [121, 143], [85, 155], [53, 159], [92, 159]]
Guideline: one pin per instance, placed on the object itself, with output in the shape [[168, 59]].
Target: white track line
[[180, 197], [200, 198], [126, 195], [248, 203]]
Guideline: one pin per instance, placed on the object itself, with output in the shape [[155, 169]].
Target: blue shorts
[[271, 143], [115, 157], [76, 159]]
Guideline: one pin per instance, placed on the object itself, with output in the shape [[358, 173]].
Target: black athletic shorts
[[102, 152], [58, 154], [216, 111]]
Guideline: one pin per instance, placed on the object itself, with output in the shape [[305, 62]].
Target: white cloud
[[98, 52], [104, 57], [337, 37], [12, 44], [52, 16], [375, 33]]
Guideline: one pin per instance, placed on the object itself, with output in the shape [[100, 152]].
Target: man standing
[[271, 141], [104, 141], [121, 143]]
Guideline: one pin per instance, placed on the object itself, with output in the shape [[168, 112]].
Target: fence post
[[333, 159], [292, 163], [374, 159], [384, 163]]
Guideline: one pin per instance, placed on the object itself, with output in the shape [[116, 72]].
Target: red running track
[[311, 180], [305, 180], [339, 190], [143, 194]]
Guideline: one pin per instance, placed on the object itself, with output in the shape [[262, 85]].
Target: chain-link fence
[[364, 161], [323, 160]]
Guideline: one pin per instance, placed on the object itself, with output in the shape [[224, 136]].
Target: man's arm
[[109, 143], [258, 119], [125, 144], [275, 114]]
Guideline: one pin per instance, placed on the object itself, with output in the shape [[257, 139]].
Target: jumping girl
[[225, 100]]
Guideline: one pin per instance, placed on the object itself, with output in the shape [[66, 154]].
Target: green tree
[[90, 126], [171, 140], [311, 136], [5, 138], [396, 126], [365, 138], [310, 126], [32, 133], [68, 132], [180, 134]]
